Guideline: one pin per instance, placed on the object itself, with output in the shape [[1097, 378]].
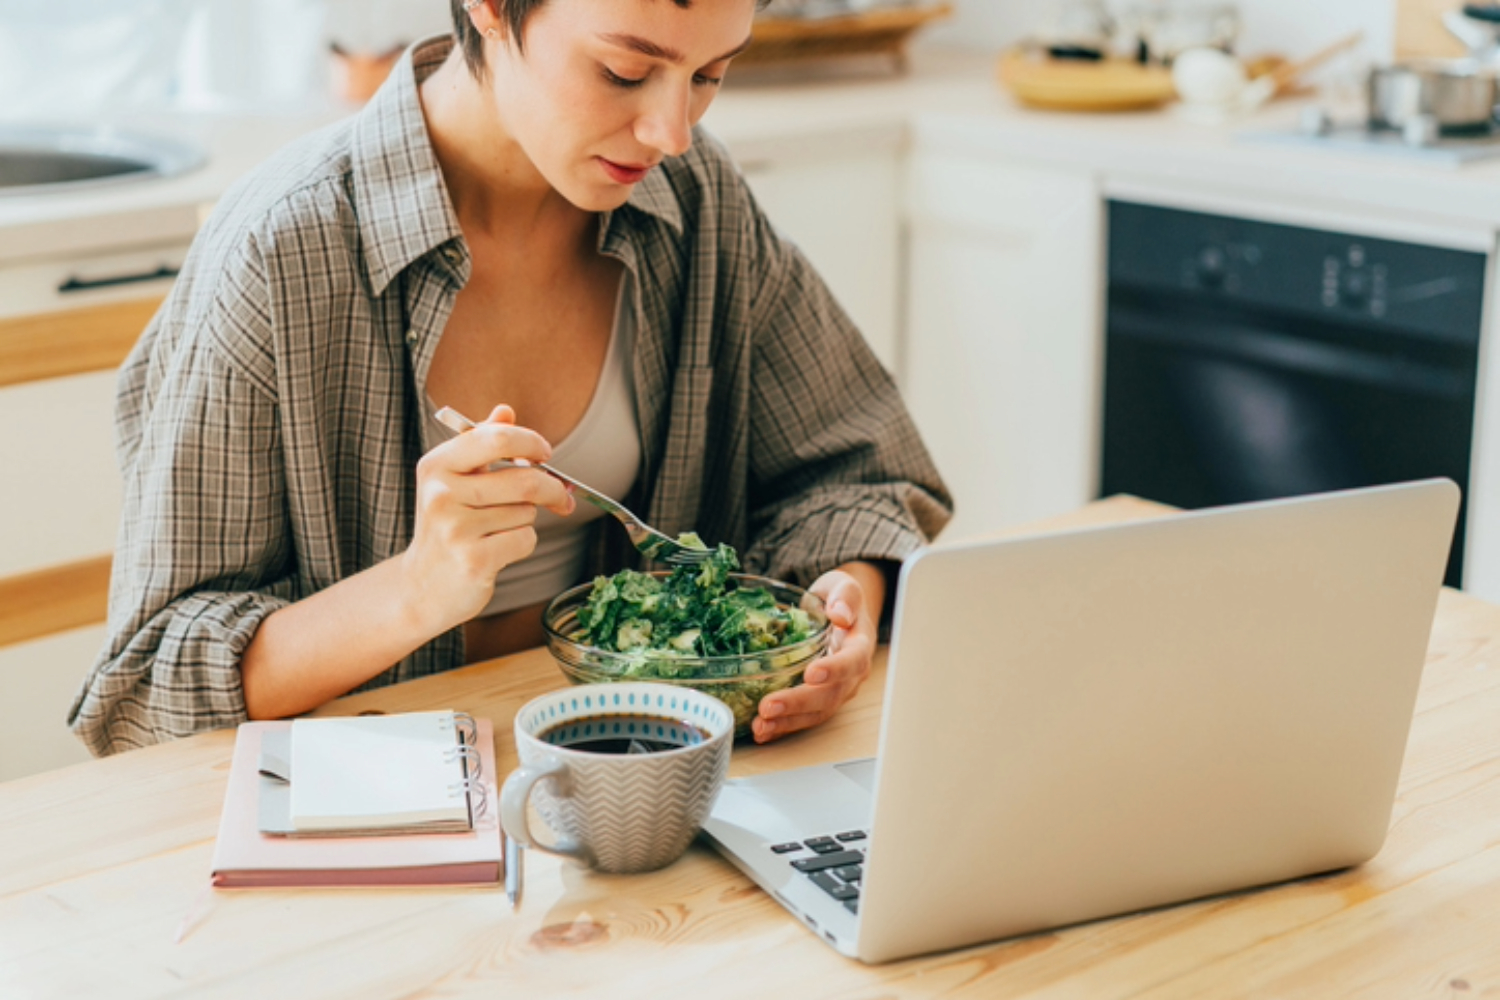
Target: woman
[[523, 225]]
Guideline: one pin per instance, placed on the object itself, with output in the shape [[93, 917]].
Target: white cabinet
[[64, 326], [1004, 333], [60, 490], [38, 681], [840, 205], [61, 497]]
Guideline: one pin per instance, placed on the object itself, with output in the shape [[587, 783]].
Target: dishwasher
[[1248, 360]]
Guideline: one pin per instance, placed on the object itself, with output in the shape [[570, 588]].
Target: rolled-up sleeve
[[838, 471], [204, 552]]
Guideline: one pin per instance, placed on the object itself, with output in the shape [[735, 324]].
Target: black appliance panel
[[1249, 361]]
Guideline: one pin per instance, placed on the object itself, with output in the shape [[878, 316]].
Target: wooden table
[[100, 863]]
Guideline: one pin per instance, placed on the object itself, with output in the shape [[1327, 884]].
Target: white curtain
[[74, 61], [268, 54], [371, 27], [253, 55], [69, 61]]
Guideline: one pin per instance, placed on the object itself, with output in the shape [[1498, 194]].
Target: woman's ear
[[485, 20]]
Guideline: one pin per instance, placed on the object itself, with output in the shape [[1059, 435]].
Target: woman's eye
[[703, 80], [622, 81]]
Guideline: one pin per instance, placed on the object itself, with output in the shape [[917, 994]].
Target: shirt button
[[411, 336]]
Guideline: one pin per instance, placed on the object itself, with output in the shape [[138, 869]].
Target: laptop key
[[838, 890], [852, 905], [823, 845], [826, 882], [825, 861], [852, 835], [786, 848], [850, 873]]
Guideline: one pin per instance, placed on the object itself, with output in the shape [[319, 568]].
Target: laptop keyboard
[[834, 863]]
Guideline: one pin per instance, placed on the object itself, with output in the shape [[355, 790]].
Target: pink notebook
[[246, 858]]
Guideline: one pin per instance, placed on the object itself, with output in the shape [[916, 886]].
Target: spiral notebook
[[371, 775], [245, 857]]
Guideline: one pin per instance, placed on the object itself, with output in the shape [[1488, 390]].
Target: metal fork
[[647, 540]]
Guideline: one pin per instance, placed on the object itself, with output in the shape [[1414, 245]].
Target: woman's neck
[[494, 186]]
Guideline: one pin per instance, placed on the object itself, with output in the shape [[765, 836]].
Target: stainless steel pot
[[1454, 95]]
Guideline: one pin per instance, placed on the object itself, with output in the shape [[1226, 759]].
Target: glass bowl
[[739, 681]]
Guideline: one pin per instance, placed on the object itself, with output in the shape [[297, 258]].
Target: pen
[[512, 871]]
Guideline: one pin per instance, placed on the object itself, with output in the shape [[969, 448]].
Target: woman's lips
[[625, 173]]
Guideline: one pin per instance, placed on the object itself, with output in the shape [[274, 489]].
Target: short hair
[[514, 13]]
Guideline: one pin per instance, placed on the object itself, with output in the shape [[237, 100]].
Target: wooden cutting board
[[1420, 31], [1074, 85]]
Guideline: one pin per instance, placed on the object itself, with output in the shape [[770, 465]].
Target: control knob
[[1213, 266]]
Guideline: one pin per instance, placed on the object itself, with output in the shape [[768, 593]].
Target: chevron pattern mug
[[623, 774]]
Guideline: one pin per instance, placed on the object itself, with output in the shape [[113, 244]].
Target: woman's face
[[606, 88]]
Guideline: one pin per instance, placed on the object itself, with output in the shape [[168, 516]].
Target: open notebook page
[[369, 772]]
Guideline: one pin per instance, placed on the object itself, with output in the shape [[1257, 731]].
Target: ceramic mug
[[612, 808]]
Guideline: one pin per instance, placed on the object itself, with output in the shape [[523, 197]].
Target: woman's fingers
[[465, 463], [488, 443], [512, 486], [829, 682], [477, 502], [511, 546], [842, 597], [837, 676], [488, 521]]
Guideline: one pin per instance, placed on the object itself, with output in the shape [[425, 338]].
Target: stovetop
[[1446, 150]]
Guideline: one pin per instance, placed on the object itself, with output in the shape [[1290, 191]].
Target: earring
[[492, 33]]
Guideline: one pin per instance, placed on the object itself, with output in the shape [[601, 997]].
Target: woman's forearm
[[325, 645], [470, 524]]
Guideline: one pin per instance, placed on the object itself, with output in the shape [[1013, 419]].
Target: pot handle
[[1483, 12]]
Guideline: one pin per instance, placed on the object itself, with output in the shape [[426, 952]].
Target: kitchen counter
[[950, 101], [953, 102]]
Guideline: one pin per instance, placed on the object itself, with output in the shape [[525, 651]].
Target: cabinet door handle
[[86, 284]]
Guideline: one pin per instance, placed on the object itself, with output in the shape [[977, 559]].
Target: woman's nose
[[665, 124]]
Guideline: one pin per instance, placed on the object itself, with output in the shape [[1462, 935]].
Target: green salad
[[666, 625]]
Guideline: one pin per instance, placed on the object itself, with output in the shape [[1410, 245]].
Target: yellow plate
[[1076, 85]]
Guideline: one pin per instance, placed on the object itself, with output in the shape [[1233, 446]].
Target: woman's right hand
[[470, 522]]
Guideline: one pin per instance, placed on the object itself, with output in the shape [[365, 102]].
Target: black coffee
[[624, 734]]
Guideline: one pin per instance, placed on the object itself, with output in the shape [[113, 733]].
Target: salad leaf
[[692, 612]]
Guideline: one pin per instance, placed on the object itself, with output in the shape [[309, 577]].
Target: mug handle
[[516, 793]]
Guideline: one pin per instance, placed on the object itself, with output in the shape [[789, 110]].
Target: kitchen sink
[[40, 160]]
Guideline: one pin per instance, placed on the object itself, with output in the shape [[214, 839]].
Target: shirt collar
[[655, 196], [403, 206]]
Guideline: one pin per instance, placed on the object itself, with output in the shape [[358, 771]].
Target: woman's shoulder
[[300, 191], [246, 259]]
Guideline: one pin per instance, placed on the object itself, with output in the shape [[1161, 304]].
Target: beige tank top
[[604, 451]]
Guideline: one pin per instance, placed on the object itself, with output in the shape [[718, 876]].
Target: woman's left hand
[[853, 595]]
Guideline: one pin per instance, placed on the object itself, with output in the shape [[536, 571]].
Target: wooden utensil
[[1264, 88]]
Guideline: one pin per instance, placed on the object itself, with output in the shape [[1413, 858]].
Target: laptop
[[1099, 721]]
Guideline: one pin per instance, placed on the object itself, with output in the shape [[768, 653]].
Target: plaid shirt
[[269, 432]]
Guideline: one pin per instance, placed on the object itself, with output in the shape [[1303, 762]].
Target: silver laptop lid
[[1100, 721]]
